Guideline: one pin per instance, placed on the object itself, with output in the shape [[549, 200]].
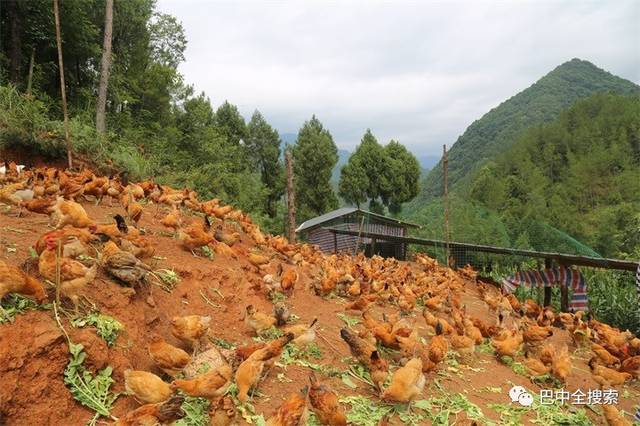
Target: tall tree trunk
[[105, 64], [15, 48], [291, 197], [63, 91]]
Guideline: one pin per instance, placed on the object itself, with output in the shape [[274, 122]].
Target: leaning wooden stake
[[445, 166], [58, 271], [30, 77], [63, 92], [291, 198]]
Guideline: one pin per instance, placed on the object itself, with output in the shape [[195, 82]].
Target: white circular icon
[[519, 394]]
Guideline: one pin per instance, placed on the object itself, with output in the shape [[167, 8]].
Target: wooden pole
[[63, 91], [291, 197], [445, 166], [547, 290], [105, 63], [30, 77]]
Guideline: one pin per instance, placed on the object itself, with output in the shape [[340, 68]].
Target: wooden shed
[[318, 231]]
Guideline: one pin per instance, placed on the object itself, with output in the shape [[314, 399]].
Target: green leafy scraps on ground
[[196, 412], [349, 321], [366, 412], [269, 334], [292, 354], [168, 277], [276, 296], [89, 390], [554, 413], [516, 366], [312, 420], [206, 250], [222, 343], [106, 326], [451, 404], [14, 304], [485, 347]]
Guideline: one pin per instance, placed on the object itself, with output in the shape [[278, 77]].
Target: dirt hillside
[[34, 351]]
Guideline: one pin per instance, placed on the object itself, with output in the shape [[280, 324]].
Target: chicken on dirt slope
[[13, 280], [155, 414], [407, 383], [146, 387], [190, 329], [292, 412], [167, 357], [123, 265], [210, 384], [324, 403]]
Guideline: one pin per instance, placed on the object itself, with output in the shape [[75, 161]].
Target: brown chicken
[[65, 235], [407, 383], [167, 357], [324, 403], [547, 354], [190, 329], [71, 213], [378, 369], [360, 348], [123, 265], [632, 366], [222, 412], [561, 364], [172, 220], [534, 366], [39, 205], [607, 376], [13, 280], [292, 412], [74, 276], [604, 355], [289, 280], [534, 335], [438, 346], [613, 416], [154, 414], [258, 321], [508, 346], [146, 387], [243, 352], [195, 235], [210, 384], [225, 237], [248, 374]]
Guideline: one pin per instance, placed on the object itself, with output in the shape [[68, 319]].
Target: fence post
[[547, 290]]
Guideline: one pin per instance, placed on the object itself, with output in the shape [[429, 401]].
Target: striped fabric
[[638, 283], [562, 276]]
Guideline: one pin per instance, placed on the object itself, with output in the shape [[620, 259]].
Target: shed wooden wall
[[347, 243]]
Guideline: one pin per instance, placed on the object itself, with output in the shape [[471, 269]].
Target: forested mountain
[[566, 185], [498, 129]]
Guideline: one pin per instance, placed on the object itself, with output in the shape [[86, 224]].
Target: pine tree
[[315, 154], [263, 146]]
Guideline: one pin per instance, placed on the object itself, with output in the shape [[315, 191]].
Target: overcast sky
[[418, 72]]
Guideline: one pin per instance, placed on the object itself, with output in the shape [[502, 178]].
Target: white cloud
[[419, 72]]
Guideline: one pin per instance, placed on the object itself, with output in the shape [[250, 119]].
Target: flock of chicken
[[398, 374]]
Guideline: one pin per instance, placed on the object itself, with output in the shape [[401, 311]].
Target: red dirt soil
[[33, 351]]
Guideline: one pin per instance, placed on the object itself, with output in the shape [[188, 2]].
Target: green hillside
[[498, 129], [571, 181]]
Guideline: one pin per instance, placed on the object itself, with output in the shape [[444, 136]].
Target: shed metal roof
[[344, 211]]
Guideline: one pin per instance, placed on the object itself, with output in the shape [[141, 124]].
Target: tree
[[353, 182], [386, 176], [315, 154], [263, 146], [15, 50], [105, 64], [230, 123], [400, 177]]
